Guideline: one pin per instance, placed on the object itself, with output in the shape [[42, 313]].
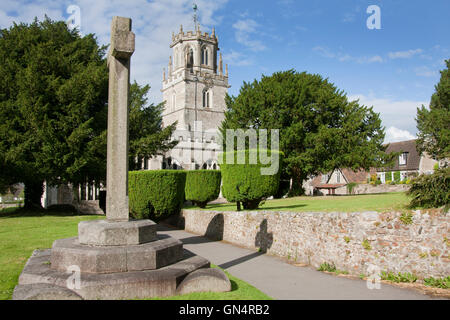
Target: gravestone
[[115, 258]]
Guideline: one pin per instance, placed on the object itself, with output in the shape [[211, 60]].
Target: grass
[[22, 232], [355, 203], [240, 290]]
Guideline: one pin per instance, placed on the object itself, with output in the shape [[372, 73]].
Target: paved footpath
[[281, 280]]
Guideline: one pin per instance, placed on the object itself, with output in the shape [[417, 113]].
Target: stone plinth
[[162, 282], [111, 233], [92, 259]]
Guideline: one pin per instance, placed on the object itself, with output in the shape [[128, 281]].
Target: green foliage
[[347, 239], [366, 245], [53, 94], [406, 218], [377, 182], [434, 123], [329, 267], [320, 130], [397, 176], [431, 191], [202, 186], [350, 187], [400, 277], [244, 182], [388, 181], [156, 194], [443, 283]]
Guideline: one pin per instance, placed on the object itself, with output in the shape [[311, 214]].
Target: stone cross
[[120, 52]]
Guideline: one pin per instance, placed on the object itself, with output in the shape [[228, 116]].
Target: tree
[[53, 109], [434, 123], [320, 130], [147, 136], [53, 94]]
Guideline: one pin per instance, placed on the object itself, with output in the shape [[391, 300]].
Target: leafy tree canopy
[[53, 109], [320, 130], [434, 123]]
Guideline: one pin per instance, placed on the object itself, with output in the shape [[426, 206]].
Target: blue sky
[[394, 68]]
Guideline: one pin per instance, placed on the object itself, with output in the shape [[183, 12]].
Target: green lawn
[[356, 203], [22, 232]]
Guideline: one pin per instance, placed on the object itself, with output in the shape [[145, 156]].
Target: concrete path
[[281, 280]]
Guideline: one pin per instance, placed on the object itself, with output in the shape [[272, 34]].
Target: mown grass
[[22, 232], [355, 203]]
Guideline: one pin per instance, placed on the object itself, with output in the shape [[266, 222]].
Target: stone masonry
[[352, 241]]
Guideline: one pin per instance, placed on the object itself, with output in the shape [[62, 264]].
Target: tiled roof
[[413, 159]]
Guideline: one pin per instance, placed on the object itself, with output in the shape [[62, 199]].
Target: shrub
[[245, 182], [431, 191], [373, 177], [397, 176], [388, 181], [350, 187], [202, 186], [329, 267], [378, 182], [155, 194]]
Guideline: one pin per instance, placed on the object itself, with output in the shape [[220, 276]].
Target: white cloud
[[245, 30], [398, 114], [235, 58], [153, 24], [425, 72], [394, 134], [404, 54], [344, 57]]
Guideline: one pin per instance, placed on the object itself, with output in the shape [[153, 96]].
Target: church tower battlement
[[195, 84]]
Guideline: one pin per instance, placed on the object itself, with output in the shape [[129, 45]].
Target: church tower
[[194, 90], [195, 85]]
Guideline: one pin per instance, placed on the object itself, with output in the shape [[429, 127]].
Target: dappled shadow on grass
[[22, 212]]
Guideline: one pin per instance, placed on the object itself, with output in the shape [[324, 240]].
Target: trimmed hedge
[[431, 191], [245, 183], [202, 186], [155, 194]]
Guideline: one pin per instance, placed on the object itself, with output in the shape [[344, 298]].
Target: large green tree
[[434, 123], [320, 130], [53, 94], [53, 109]]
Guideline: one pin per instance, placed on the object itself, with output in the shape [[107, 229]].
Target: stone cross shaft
[[120, 52]]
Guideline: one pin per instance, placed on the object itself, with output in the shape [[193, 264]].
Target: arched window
[[205, 56], [206, 99], [190, 59]]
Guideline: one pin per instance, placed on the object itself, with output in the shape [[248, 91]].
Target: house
[[335, 183], [408, 164]]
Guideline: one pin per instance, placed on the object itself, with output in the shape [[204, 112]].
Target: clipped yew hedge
[[202, 186], [155, 194], [244, 183]]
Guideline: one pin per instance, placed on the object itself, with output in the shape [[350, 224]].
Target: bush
[[156, 194], [431, 191], [245, 183], [350, 187], [378, 182], [202, 186], [397, 176], [388, 181]]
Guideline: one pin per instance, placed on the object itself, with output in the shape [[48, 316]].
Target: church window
[[205, 56], [206, 99]]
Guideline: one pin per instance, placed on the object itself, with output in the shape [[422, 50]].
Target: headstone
[[122, 47]]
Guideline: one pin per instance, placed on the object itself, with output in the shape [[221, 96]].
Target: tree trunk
[[33, 194]]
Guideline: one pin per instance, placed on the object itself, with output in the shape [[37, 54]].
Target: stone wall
[[381, 188], [352, 241]]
